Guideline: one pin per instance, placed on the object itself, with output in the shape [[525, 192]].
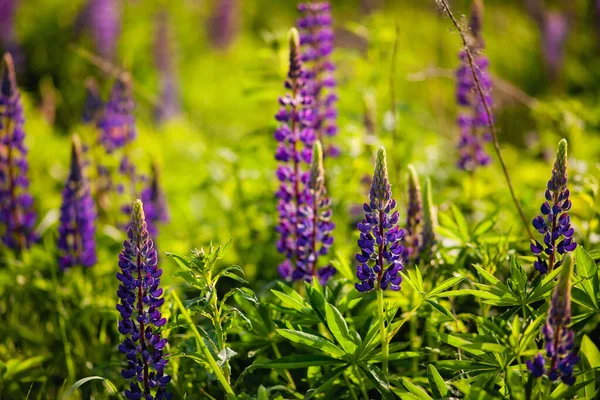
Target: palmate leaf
[[377, 379], [324, 382], [299, 361], [448, 283], [476, 392], [415, 390], [313, 341], [591, 363], [338, 327]]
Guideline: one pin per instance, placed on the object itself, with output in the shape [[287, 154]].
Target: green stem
[[363, 388], [204, 349], [63, 330], [350, 387], [413, 338], [384, 341], [287, 373]]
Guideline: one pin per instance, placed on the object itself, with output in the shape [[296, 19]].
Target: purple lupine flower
[[555, 30], [296, 137], [93, 105], [223, 24], [8, 40], [315, 233], [555, 222], [316, 40], [414, 215], [77, 229], [16, 204], [155, 203], [473, 121], [169, 101], [429, 222], [117, 125], [380, 237], [139, 307], [559, 339], [104, 19]]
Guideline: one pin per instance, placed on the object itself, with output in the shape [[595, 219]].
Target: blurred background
[[206, 77]]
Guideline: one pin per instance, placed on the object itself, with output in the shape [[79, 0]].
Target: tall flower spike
[[315, 234], [117, 125], [169, 103], [93, 105], [317, 43], [296, 137], [104, 19], [380, 237], [16, 204], [77, 229], [155, 202], [139, 307], [559, 339], [473, 120], [414, 216], [554, 222], [428, 237], [223, 25]]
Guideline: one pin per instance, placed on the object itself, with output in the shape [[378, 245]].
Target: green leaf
[[515, 385], [461, 223], [338, 327], [436, 382], [314, 341], [419, 392], [441, 309], [378, 380], [448, 283], [81, 382], [291, 302], [591, 352], [471, 292], [565, 391], [588, 270], [300, 361]]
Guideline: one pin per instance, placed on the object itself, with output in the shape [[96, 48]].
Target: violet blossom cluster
[[316, 39], [413, 229], [224, 23], [140, 301], [473, 120], [155, 203], [104, 20], [77, 229], [117, 124], [555, 222], [295, 136], [560, 359], [380, 239], [17, 215], [315, 232]]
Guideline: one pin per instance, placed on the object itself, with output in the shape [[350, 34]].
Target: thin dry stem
[[446, 8]]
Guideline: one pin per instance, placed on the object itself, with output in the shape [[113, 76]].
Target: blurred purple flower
[[169, 100], [155, 203], [414, 215], [77, 229], [140, 301], [16, 204], [93, 105], [380, 237], [223, 25], [316, 39], [104, 20], [117, 124]]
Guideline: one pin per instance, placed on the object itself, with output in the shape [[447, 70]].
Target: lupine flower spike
[[139, 307], [93, 105], [155, 203], [169, 103], [77, 229], [296, 137], [16, 204], [223, 25], [555, 222], [414, 217], [117, 125], [104, 19], [560, 359], [316, 39], [429, 222], [316, 231], [380, 237], [473, 120]]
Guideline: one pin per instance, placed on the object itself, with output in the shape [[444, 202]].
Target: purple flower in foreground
[[473, 120], [16, 204], [315, 234], [77, 229], [380, 237], [559, 339], [139, 308], [117, 125], [316, 39], [296, 137], [555, 222]]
